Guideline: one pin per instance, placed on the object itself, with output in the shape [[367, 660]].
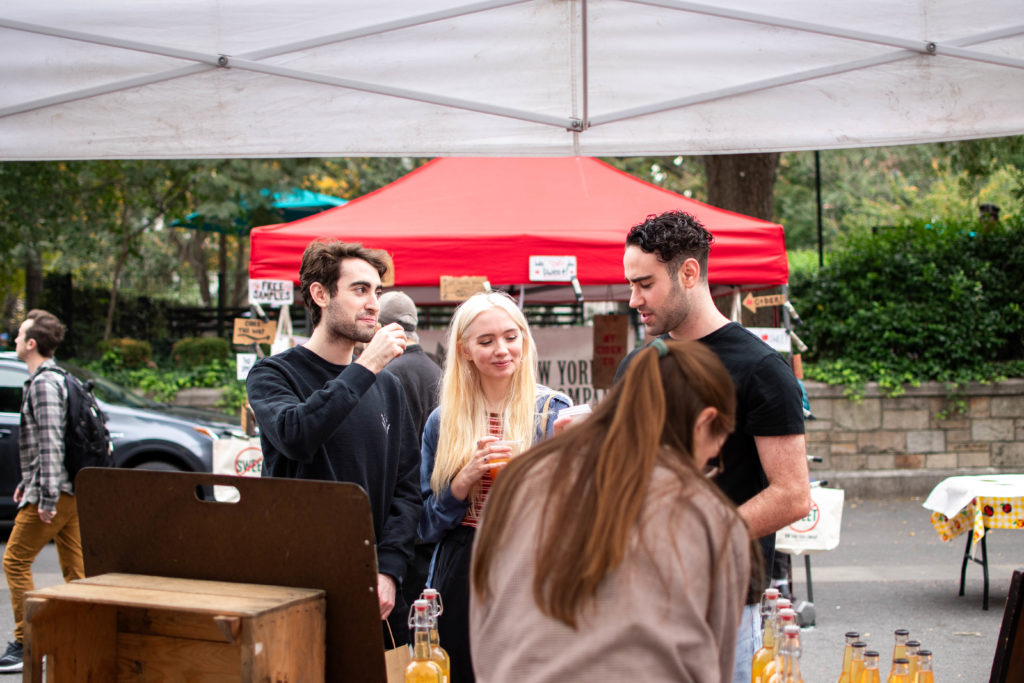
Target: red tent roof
[[487, 216]]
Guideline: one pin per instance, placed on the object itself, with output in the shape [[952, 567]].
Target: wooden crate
[[130, 627]]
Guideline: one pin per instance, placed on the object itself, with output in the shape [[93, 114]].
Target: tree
[[743, 183], [130, 199], [39, 210]]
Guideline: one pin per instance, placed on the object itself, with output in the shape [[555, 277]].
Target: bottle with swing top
[[422, 669], [437, 653]]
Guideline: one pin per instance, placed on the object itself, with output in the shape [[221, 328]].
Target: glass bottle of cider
[[857, 661], [422, 669], [871, 674], [789, 666], [924, 667], [900, 670], [786, 617], [912, 647], [899, 650], [851, 638], [437, 653], [769, 614]]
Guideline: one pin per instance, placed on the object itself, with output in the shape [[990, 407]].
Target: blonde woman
[[607, 554], [489, 393]]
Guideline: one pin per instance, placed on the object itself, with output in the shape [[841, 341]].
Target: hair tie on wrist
[[660, 346]]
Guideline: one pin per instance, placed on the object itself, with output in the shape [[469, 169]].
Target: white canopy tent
[[255, 78]]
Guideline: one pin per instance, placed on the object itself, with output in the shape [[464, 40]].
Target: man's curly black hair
[[673, 237]]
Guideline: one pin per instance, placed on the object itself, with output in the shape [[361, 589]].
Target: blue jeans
[[748, 641]]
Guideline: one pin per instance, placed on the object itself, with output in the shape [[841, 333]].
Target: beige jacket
[[669, 613]]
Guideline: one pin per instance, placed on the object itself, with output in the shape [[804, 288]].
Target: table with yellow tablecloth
[[976, 503]]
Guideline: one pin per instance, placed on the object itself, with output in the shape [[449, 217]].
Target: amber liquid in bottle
[[851, 638], [857, 662], [924, 667], [437, 653], [422, 669], [900, 671], [764, 653], [899, 651], [871, 674]]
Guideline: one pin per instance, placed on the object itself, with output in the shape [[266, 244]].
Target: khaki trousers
[[29, 537]]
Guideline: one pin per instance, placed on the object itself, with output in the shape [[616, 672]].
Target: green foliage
[[162, 382], [131, 352], [862, 188], [925, 301], [200, 350]]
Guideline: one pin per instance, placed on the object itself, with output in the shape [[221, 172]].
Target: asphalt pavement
[[890, 571]]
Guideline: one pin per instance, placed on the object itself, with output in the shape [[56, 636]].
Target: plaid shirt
[[41, 442]]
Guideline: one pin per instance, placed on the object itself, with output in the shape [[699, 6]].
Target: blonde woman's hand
[[479, 464]]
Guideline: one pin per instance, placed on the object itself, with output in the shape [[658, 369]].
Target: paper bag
[[238, 457], [396, 659], [819, 530]]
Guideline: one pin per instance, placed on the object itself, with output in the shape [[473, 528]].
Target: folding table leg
[[963, 567], [984, 568]]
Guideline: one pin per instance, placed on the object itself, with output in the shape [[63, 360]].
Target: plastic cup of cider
[[514, 446]]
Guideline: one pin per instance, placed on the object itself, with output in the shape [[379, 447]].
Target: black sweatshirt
[[333, 422]]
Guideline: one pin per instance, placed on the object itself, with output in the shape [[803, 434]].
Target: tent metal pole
[[817, 193]]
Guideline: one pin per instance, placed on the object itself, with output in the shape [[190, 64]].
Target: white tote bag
[[237, 457], [819, 530]]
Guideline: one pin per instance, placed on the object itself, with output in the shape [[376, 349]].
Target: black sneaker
[[11, 661]]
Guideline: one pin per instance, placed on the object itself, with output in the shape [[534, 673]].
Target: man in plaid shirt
[[47, 510]]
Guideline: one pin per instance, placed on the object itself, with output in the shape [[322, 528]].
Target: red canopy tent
[[486, 216]]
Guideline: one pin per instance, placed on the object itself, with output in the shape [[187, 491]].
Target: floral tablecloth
[[959, 504]]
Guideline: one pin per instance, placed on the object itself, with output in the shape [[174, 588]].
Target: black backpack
[[86, 439]]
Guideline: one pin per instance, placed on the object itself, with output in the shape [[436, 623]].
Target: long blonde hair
[[463, 409]]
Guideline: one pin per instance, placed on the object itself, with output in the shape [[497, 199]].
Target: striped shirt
[[495, 427], [41, 441]]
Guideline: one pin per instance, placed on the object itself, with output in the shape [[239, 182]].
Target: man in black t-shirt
[[764, 461], [325, 416]]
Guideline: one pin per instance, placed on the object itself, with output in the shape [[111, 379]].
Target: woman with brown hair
[[605, 553]]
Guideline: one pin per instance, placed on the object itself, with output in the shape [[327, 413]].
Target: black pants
[[451, 579]]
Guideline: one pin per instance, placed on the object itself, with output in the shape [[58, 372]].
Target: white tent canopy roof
[[261, 78]]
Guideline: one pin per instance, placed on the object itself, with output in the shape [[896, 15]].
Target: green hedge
[[132, 353], [916, 302], [200, 350]]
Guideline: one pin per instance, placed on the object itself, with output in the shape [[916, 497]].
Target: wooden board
[[1008, 663], [281, 532]]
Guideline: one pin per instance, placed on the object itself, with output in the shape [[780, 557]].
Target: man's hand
[[46, 516], [385, 595], [19, 493], [387, 344]]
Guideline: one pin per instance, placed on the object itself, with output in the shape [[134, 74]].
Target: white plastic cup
[[577, 413]]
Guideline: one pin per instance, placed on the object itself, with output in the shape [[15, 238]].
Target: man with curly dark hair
[[764, 461]]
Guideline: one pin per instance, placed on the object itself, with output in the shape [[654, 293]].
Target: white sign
[[272, 292], [552, 268], [776, 337], [243, 364]]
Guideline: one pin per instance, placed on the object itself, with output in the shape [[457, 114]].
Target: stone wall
[[904, 446]]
